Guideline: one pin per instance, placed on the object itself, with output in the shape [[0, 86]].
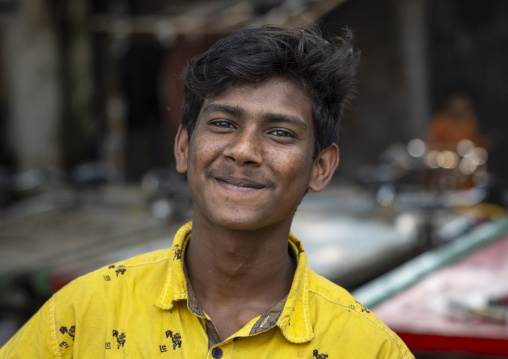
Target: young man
[[259, 126]]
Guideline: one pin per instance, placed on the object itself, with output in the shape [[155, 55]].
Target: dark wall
[[464, 45], [468, 48], [379, 112]]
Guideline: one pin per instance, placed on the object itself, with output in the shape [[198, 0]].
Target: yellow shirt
[[143, 308]]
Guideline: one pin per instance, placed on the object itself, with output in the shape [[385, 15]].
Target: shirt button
[[217, 353]]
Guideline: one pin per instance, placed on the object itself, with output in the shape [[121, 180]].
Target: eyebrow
[[232, 110], [281, 117], [269, 117]]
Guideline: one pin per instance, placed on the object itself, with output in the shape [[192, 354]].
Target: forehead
[[277, 95]]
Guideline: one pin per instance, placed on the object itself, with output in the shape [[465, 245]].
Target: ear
[[181, 149], [324, 167]]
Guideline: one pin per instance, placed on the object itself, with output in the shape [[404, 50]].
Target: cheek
[[297, 166], [202, 149], [285, 156]]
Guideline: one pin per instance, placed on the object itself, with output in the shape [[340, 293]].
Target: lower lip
[[237, 189]]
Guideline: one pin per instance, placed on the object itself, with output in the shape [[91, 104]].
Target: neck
[[238, 275], [231, 266]]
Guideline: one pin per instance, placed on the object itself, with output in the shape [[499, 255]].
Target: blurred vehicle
[[448, 169], [440, 190]]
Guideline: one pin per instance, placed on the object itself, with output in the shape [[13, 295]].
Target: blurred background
[[90, 96]]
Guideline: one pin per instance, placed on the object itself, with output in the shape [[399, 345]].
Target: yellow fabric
[[138, 309]]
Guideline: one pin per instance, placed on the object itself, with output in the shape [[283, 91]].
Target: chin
[[240, 224], [232, 216]]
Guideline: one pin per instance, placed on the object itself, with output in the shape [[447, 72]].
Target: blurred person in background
[[259, 129], [456, 121], [453, 134]]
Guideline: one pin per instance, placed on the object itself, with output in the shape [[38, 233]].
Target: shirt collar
[[294, 321], [175, 287]]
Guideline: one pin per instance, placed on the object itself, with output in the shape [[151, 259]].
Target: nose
[[245, 148]]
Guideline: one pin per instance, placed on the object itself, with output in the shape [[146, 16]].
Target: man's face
[[249, 160]]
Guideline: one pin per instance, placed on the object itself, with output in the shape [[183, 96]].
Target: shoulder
[[329, 291], [148, 269], [99, 300], [92, 306], [335, 309], [145, 259], [141, 262], [338, 299]]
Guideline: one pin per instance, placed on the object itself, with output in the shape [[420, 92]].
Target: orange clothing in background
[[455, 122], [446, 130]]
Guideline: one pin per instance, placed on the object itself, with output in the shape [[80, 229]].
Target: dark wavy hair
[[325, 70]]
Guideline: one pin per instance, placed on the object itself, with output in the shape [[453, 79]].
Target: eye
[[282, 133], [222, 124]]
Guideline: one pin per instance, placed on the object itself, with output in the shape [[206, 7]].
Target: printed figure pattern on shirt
[[363, 308], [67, 331], [71, 331], [316, 355], [176, 338], [119, 270], [120, 338], [178, 252]]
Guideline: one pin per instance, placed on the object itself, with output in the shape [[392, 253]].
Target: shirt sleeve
[[34, 339]]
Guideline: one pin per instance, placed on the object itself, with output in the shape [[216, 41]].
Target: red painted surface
[[437, 343], [428, 321]]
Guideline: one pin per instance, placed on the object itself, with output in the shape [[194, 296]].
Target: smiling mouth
[[244, 183]]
